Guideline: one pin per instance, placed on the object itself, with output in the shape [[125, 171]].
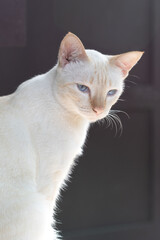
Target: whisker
[[135, 76], [131, 82], [110, 121], [113, 120], [120, 111], [120, 99], [119, 122], [107, 120]]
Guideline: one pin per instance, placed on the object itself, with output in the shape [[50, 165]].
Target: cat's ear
[[71, 50], [126, 61]]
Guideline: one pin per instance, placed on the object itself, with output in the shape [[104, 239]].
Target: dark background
[[115, 189]]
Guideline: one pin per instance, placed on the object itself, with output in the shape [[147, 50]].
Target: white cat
[[43, 126]]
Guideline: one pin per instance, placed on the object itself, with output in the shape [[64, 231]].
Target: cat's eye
[[112, 92], [82, 88]]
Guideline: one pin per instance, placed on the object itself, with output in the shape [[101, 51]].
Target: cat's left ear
[[126, 61], [71, 50]]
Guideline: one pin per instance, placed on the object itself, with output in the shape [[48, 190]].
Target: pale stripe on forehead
[[100, 74], [91, 79], [109, 82]]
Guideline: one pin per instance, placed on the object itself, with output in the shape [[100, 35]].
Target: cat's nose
[[98, 110]]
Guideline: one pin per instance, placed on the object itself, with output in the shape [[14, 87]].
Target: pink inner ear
[[66, 56], [71, 50], [126, 61], [125, 67]]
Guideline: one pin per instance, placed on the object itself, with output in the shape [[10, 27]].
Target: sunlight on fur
[[43, 127]]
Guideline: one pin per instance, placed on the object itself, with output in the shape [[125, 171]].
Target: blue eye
[[112, 92], [83, 88]]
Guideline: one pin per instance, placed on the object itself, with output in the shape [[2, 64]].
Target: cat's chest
[[58, 144], [56, 147]]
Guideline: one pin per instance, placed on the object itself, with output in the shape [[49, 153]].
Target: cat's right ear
[[71, 50]]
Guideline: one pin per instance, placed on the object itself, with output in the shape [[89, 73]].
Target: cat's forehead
[[97, 71], [97, 59], [96, 67], [99, 67], [102, 72]]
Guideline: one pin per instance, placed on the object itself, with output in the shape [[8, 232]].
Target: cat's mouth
[[92, 116]]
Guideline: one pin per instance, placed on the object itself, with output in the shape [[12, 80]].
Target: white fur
[[41, 133], [37, 148]]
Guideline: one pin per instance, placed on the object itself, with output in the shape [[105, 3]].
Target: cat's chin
[[93, 119]]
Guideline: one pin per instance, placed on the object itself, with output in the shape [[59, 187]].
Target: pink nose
[[98, 110]]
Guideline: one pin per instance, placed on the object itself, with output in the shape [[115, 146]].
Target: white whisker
[[119, 111], [120, 99], [112, 119], [135, 76]]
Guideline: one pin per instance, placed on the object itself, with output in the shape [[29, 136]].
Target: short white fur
[[43, 126]]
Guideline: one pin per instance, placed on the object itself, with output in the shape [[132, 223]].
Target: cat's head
[[88, 82]]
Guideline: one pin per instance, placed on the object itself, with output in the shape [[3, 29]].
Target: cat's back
[[5, 113], [15, 145], [4, 102], [19, 198]]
